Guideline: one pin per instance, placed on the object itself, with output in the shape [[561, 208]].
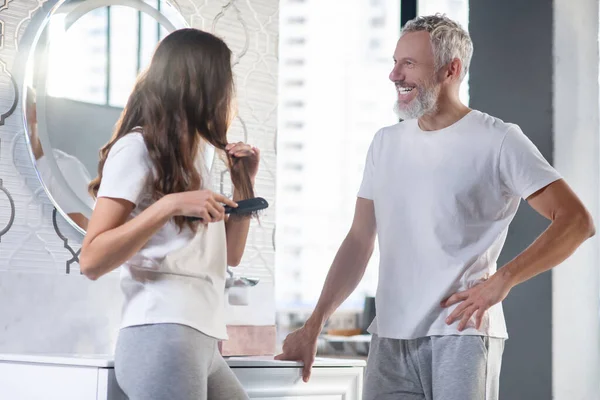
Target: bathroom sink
[[236, 289], [240, 282]]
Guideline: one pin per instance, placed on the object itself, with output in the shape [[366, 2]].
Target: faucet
[[239, 282], [236, 289]]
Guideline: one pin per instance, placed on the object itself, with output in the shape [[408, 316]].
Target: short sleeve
[[366, 187], [126, 170], [77, 176], [60, 196], [523, 168]]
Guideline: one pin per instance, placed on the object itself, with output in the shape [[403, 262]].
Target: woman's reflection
[[72, 169]]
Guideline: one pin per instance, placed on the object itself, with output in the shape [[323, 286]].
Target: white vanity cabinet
[[44, 377], [331, 379], [33, 377]]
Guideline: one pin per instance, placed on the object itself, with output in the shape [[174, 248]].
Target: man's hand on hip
[[477, 300]]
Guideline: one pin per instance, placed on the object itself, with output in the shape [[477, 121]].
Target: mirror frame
[[23, 74]]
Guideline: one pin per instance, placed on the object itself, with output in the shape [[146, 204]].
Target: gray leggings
[[173, 362]]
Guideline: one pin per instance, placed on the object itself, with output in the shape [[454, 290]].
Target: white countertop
[[268, 361], [107, 361]]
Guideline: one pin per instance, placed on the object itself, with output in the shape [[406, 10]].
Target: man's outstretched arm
[[344, 275]]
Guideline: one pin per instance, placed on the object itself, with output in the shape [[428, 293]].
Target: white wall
[[576, 290], [45, 309]]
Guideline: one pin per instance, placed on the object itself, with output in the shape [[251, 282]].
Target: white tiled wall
[[46, 305]]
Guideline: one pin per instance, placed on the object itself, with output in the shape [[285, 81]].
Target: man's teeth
[[404, 90]]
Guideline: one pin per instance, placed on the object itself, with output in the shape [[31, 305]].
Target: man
[[439, 191]]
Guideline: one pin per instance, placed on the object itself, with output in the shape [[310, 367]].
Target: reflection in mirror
[[81, 69], [71, 168], [96, 60]]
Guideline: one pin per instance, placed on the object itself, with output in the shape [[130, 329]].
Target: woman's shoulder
[[132, 142], [132, 138], [129, 152]]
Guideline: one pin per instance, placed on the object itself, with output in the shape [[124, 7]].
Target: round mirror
[[82, 60]]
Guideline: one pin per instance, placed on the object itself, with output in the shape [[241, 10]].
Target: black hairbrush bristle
[[248, 206]]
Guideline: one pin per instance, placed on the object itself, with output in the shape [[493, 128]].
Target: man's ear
[[454, 69]]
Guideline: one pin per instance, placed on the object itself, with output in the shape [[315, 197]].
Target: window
[[290, 146], [458, 10], [294, 166], [114, 44], [345, 98], [294, 104], [297, 20], [294, 62], [294, 124], [292, 188], [296, 40], [294, 83], [375, 44], [377, 22]]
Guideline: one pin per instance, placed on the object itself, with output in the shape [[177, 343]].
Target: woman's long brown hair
[[186, 94]]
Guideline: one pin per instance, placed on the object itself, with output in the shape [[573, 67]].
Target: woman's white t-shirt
[[154, 291]]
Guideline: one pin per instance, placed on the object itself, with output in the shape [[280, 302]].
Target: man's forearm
[[553, 246], [344, 276]]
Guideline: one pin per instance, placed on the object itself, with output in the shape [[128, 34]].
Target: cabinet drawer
[[48, 382], [286, 383]]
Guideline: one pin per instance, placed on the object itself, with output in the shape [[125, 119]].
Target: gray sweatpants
[[434, 368], [174, 362]]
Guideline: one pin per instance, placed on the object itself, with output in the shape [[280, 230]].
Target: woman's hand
[[240, 150], [203, 204]]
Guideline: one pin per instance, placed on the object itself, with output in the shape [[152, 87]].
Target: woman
[[151, 179]]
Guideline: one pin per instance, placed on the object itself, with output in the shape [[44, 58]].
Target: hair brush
[[244, 208]]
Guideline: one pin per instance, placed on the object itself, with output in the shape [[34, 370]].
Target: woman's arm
[[237, 234], [111, 240]]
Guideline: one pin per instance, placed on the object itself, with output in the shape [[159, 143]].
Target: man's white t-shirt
[[443, 203], [154, 292]]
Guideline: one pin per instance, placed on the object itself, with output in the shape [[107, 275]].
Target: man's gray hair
[[448, 39]]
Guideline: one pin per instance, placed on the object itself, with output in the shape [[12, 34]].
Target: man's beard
[[424, 103]]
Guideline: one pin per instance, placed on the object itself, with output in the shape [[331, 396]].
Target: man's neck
[[449, 111]]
